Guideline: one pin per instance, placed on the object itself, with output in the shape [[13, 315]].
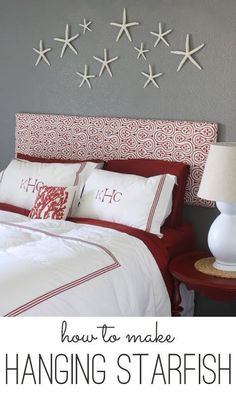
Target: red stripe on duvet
[[61, 289], [60, 237], [155, 203]]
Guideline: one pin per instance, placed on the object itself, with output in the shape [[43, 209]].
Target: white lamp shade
[[219, 177]]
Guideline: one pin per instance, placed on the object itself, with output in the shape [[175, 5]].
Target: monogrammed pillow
[[52, 203], [22, 180], [133, 200]]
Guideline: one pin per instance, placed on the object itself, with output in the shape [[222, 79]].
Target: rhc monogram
[[31, 184], [109, 195]]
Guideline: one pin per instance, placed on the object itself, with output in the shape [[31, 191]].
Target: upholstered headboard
[[75, 137]]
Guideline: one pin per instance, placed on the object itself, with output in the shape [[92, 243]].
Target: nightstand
[[183, 270]]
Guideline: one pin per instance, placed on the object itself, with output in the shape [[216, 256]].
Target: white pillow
[[22, 180], [133, 200]]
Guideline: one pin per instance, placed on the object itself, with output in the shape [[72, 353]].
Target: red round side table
[[215, 288]]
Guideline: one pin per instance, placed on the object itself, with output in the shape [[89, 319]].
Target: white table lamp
[[219, 184]]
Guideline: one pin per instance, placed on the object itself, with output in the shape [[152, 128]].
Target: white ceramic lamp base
[[222, 237]]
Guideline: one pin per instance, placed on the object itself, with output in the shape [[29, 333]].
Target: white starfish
[[67, 41], [160, 36], [124, 26], [42, 53], [85, 76], [105, 63], [141, 51], [85, 26], [188, 54], [151, 77]]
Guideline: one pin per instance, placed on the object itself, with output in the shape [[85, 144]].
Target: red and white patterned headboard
[[75, 137]]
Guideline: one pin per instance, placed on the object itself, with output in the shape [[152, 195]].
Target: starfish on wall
[[151, 77], [161, 36], [124, 26], [41, 52], [86, 25], [67, 41], [105, 62], [141, 51], [85, 76], [188, 54]]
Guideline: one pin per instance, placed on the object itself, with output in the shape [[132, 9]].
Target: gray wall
[[190, 94]]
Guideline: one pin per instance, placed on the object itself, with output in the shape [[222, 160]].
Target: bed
[[122, 184]]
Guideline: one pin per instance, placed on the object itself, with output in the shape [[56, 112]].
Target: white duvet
[[59, 268]]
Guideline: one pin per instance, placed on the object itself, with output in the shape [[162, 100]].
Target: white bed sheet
[[45, 270]]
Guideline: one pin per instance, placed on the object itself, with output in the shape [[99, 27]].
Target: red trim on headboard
[[75, 137]]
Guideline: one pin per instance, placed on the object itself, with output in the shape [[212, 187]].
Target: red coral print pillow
[[52, 203]]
